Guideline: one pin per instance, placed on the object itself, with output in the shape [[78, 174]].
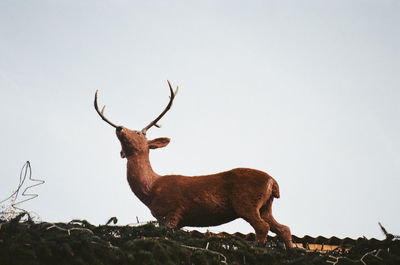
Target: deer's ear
[[158, 142]]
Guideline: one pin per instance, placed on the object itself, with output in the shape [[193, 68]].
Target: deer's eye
[[138, 133]]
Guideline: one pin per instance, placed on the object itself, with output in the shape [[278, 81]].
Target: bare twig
[[69, 229], [11, 211], [224, 261], [113, 219], [336, 259]]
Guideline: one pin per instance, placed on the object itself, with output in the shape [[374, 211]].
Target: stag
[[198, 201]]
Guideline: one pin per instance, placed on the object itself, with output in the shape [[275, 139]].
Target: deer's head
[[134, 142]]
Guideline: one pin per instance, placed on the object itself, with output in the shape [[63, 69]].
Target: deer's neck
[[141, 176]]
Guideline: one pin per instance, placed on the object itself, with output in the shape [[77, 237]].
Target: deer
[[197, 201]]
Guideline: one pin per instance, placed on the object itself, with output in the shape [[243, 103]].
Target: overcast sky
[[307, 91]]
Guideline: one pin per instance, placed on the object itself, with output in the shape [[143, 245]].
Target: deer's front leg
[[171, 219]]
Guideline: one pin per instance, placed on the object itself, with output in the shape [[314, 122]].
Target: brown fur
[[201, 200]]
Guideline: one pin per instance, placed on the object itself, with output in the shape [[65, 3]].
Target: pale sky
[[307, 91]]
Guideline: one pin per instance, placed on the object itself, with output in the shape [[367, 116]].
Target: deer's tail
[[275, 188]]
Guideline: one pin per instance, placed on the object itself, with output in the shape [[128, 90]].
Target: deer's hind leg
[[250, 211], [282, 231], [260, 226]]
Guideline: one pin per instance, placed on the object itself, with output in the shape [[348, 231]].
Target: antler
[[101, 113], [171, 99]]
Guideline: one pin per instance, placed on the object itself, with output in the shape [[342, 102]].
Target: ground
[[78, 242]]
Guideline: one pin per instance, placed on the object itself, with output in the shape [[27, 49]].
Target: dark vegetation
[[79, 242]]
